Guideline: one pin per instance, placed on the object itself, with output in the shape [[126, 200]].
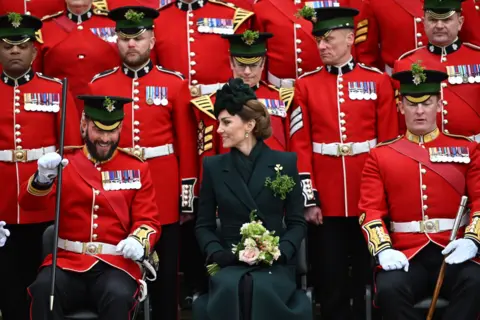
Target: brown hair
[[255, 110]]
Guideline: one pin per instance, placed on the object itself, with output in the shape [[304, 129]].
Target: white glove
[[47, 167], [4, 233], [131, 249], [391, 259], [461, 251]]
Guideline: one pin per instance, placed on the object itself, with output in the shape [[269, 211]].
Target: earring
[[246, 134]]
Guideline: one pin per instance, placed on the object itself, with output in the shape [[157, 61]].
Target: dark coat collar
[[79, 18], [455, 46], [25, 78], [346, 68], [194, 5], [134, 74]]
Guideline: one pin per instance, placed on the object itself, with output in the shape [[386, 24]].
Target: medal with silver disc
[[164, 97], [157, 100]]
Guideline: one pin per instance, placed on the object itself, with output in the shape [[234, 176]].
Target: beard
[[92, 147], [138, 61]]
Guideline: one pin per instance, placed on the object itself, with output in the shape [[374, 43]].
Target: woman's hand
[[224, 258]]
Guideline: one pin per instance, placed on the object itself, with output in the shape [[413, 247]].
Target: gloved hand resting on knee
[[391, 259]]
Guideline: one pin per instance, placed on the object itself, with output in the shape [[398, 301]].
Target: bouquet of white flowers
[[258, 245]]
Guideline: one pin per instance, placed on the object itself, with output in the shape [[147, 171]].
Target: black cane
[[58, 195]]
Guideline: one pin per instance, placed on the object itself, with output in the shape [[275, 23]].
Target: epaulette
[[409, 53], [166, 5], [176, 73], [363, 66], [41, 75], [458, 136], [100, 7], [471, 45], [39, 36], [311, 72], [286, 95], [104, 74], [204, 104], [50, 16], [126, 151], [384, 143]]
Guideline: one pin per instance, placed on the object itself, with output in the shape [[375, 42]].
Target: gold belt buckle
[[138, 152], [19, 155], [429, 226], [344, 149], [91, 248]]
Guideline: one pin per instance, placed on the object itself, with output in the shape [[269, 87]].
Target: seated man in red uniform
[[109, 219], [417, 181]]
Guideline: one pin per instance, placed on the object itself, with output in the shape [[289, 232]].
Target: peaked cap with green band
[[418, 84], [105, 111], [442, 9], [16, 28], [329, 18], [248, 44], [233, 96], [131, 21]]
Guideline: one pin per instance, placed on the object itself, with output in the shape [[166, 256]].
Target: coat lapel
[[263, 168]]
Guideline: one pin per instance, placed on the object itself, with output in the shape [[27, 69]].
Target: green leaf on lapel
[[281, 185]]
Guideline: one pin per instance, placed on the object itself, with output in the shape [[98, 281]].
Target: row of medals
[[461, 79], [437, 155]]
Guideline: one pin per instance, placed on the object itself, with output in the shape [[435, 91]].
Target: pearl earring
[[246, 134]]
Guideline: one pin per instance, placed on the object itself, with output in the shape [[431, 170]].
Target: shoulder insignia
[[406, 54], [311, 72], [104, 74], [127, 152], [369, 68], [471, 45], [166, 5], [384, 143], [286, 95], [458, 136], [41, 75], [361, 31], [176, 73], [100, 7], [70, 148], [204, 104], [241, 15], [223, 3], [50, 16], [38, 36]]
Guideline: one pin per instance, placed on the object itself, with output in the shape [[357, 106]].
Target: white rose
[[249, 255]]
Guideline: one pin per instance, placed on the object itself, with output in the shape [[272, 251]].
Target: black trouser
[[109, 291], [164, 290], [245, 292], [398, 291], [339, 246], [19, 261]]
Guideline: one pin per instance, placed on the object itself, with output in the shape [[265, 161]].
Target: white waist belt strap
[[344, 149], [475, 138], [427, 226], [90, 248], [280, 83], [204, 89], [152, 152], [25, 155]]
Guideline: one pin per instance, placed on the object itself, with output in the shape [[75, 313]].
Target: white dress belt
[[204, 89], [280, 83], [152, 152], [344, 149], [25, 155], [475, 138], [90, 248], [427, 226]]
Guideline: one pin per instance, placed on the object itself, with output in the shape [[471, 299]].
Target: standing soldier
[[417, 182], [381, 19], [30, 121], [188, 40], [78, 43], [447, 53], [159, 127], [340, 112], [37, 8], [293, 51], [247, 60]]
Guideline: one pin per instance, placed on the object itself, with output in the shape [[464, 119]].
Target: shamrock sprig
[[307, 13], [281, 185], [133, 16], [250, 36], [15, 19], [419, 75]]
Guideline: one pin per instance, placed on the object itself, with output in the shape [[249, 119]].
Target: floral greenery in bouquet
[[258, 245]]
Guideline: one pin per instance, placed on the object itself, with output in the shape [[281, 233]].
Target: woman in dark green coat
[[234, 184]]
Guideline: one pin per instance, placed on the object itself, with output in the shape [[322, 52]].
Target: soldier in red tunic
[[37, 8], [340, 112], [388, 28], [193, 44], [159, 127], [109, 220], [247, 60], [446, 52], [30, 119], [293, 51], [78, 43], [417, 181]]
